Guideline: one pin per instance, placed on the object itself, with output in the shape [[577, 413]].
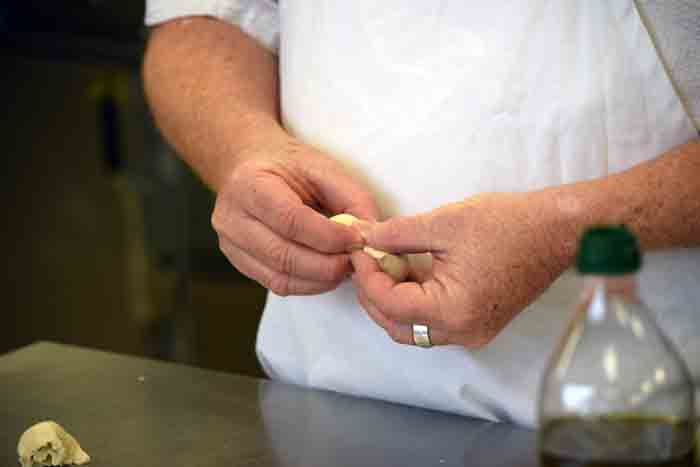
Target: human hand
[[493, 254], [269, 217]]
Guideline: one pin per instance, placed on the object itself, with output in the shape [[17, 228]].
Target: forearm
[[659, 200], [213, 92]]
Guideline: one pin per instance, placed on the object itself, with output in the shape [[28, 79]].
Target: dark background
[[106, 235]]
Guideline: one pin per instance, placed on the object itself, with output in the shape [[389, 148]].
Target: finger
[[364, 264], [413, 234], [437, 336], [421, 267], [287, 257], [405, 302], [400, 333], [278, 207], [375, 314], [278, 283], [340, 193]]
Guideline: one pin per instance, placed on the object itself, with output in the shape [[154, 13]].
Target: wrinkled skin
[[271, 218], [492, 256]]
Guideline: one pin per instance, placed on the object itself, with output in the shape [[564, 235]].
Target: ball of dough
[[48, 444], [395, 266]]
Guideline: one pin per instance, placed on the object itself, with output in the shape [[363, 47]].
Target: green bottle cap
[[608, 250]]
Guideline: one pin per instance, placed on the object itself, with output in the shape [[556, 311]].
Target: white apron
[[430, 102]]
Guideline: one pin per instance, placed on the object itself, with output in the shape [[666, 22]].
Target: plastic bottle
[[615, 392]]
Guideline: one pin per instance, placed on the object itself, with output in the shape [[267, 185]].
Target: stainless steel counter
[[129, 412]]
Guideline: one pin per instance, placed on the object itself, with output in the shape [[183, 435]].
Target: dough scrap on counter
[[48, 444]]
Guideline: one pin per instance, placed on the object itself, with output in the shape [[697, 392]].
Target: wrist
[[256, 137], [563, 220]]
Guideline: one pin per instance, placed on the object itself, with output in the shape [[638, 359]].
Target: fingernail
[[364, 227], [357, 245]]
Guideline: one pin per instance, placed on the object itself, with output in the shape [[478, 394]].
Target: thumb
[[339, 192], [366, 210], [409, 234]]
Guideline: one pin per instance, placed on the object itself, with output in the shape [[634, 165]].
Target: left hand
[[493, 254]]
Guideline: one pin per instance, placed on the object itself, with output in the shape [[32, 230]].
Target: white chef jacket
[[431, 102]]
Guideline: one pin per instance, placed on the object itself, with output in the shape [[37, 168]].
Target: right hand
[[269, 217]]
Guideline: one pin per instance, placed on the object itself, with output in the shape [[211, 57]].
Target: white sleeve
[[258, 18]]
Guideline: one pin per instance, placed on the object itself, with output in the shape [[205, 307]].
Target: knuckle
[[281, 257], [223, 217], [245, 171], [336, 271], [394, 334], [250, 180], [290, 220], [217, 221], [226, 200], [278, 284]]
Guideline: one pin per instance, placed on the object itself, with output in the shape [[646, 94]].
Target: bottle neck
[[625, 286]]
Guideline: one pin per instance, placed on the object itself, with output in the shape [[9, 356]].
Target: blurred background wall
[[106, 235]]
